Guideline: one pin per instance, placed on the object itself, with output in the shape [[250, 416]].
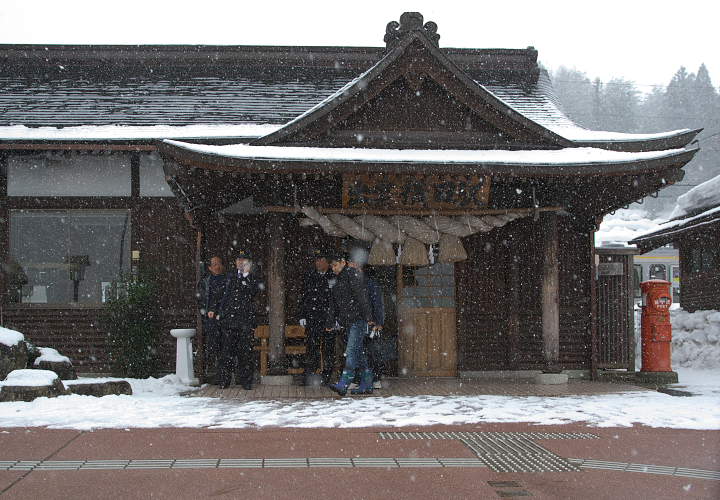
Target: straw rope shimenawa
[[410, 234]]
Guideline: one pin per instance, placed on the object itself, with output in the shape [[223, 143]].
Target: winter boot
[[341, 387], [366, 383]]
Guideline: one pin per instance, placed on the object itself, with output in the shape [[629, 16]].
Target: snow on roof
[[666, 228], [577, 133], [703, 195], [535, 157], [30, 378], [10, 337], [51, 355], [540, 104], [623, 226], [119, 132]]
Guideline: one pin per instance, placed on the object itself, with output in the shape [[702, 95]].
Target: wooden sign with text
[[398, 191]]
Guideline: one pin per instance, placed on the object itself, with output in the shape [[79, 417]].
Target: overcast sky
[[645, 41]]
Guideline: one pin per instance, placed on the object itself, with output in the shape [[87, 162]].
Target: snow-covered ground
[[157, 403]]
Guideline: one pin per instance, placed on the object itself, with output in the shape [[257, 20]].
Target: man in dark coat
[[350, 308], [237, 319], [313, 312], [209, 293]]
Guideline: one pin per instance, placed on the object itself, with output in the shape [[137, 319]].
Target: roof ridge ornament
[[409, 22]]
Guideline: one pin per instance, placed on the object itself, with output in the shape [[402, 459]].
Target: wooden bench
[[292, 332]]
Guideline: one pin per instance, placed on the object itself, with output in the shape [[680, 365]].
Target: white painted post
[[184, 357]]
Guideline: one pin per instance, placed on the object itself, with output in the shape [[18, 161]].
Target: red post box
[[656, 329]]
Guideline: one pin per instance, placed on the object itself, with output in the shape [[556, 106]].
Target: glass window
[[708, 258], [69, 256], [696, 259], [152, 176], [676, 275], [637, 279], [71, 173], [657, 272]]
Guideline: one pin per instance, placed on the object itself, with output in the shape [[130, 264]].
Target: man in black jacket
[[313, 312], [237, 318], [350, 308], [209, 293]]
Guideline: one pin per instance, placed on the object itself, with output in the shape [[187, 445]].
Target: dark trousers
[[212, 336], [236, 353], [318, 339]]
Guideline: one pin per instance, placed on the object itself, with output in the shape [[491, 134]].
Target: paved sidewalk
[[426, 387], [464, 461]]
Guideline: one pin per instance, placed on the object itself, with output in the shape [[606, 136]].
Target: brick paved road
[[429, 462]]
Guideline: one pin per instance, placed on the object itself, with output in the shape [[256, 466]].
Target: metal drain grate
[[500, 460], [506, 451], [487, 435]]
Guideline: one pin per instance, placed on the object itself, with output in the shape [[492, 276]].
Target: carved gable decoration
[[414, 97], [410, 21]]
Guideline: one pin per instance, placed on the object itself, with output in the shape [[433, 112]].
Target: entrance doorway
[[427, 326]]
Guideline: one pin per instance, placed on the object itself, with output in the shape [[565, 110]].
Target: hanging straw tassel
[[451, 249], [381, 254], [414, 253]]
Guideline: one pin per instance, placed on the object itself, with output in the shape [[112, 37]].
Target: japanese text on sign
[[416, 191]]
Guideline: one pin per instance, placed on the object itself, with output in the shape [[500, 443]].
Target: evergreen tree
[[620, 102]]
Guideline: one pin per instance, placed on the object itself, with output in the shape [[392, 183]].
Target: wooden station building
[[165, 155]]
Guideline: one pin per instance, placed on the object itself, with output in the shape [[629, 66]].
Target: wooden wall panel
[[699, 291], [484, 296]]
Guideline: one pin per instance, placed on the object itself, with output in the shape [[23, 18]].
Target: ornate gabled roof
[[402, 75]]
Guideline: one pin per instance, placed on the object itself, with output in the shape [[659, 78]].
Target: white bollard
[[184, 356]]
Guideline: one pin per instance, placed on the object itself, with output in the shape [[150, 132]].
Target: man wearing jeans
[[350, 308]]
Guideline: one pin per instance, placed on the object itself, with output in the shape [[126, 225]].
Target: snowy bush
[[132, 323]]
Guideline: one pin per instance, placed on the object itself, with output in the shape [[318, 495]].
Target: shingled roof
[[77, 85]]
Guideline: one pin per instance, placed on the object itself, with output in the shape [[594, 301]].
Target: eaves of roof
[[677, 228], [279, 159]]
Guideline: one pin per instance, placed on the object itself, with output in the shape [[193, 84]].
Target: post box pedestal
[[184, 357]]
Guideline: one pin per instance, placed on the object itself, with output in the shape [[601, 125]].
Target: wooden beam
[[416, 213], [276, 292], [551, 291], [513, 327]]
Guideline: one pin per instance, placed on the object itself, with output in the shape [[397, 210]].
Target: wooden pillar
[[199, 338], [276, 296], [593, 307], [513, 328], [551, 291]]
